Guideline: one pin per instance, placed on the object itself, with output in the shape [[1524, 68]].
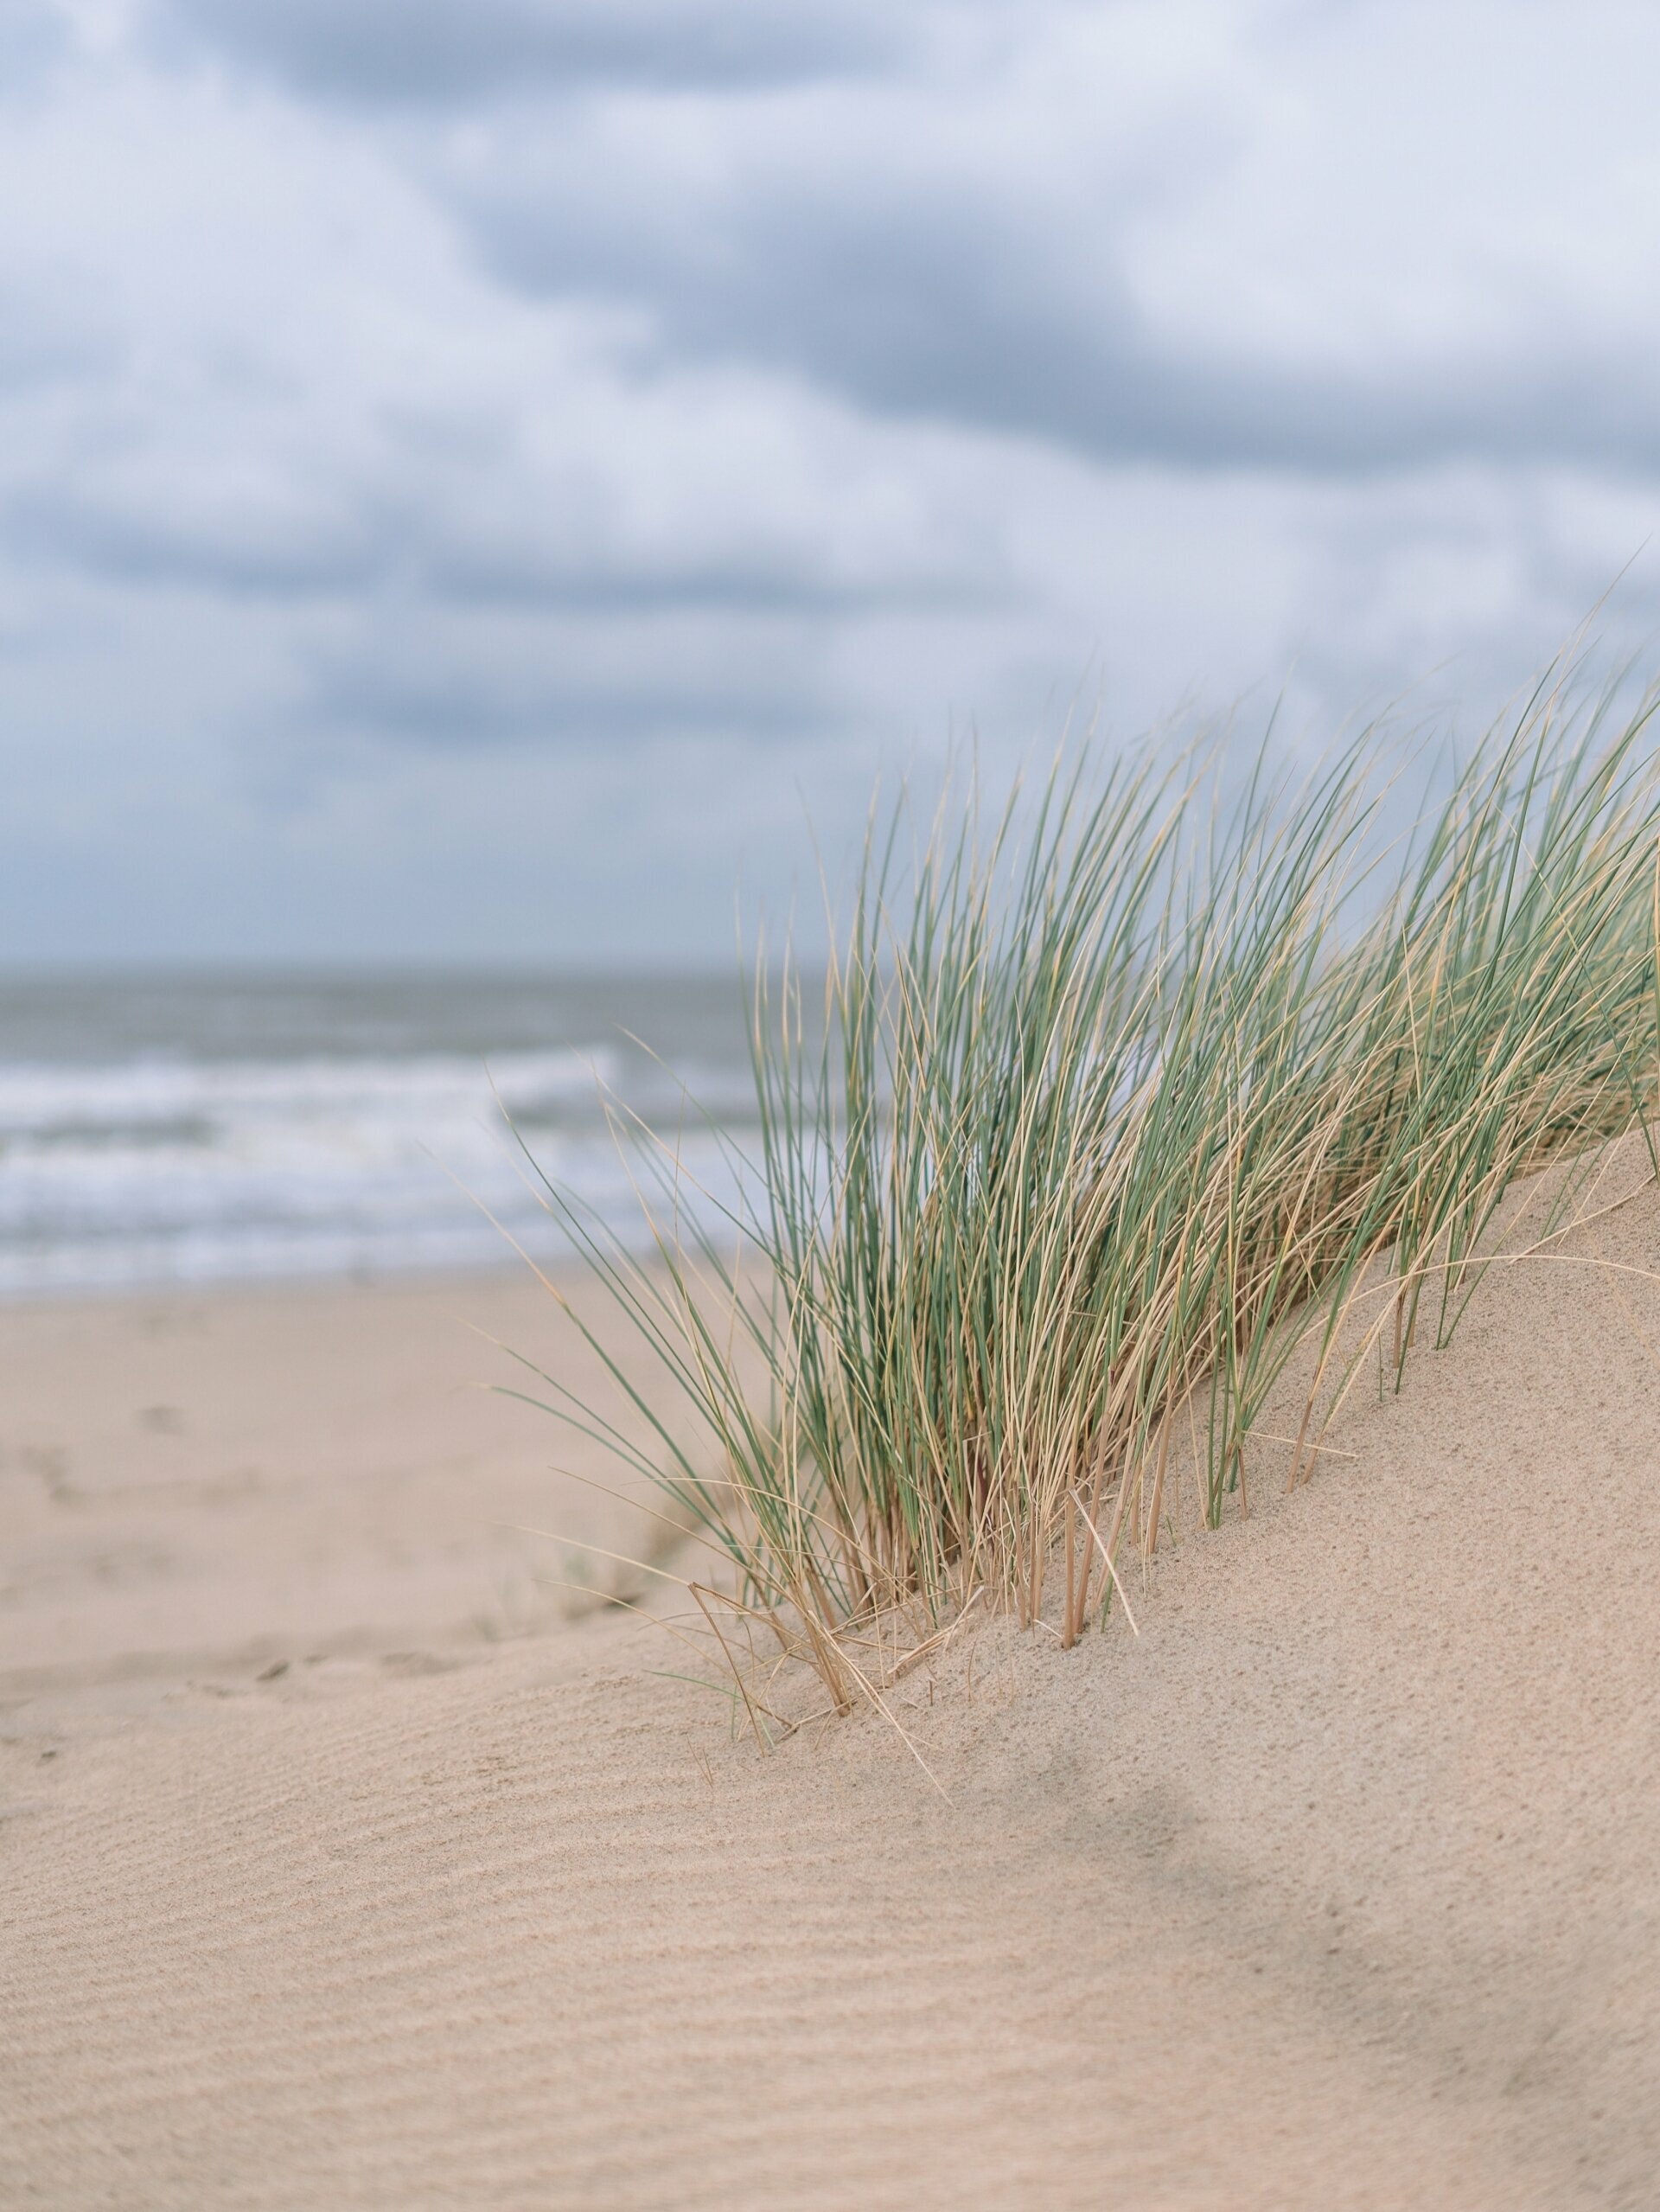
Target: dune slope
[[1338, 1885]]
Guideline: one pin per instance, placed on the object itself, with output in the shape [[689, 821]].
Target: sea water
[[161, 1129]]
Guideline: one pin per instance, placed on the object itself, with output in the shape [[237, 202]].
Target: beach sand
[[348, 1864]]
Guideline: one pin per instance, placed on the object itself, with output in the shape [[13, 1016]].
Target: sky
[[480, 478]]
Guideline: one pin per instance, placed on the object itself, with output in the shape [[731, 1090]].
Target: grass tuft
[[1109, 1105]]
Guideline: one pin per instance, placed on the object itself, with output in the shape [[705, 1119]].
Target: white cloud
[[494, 465]]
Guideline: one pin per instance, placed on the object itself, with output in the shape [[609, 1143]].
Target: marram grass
[[1109, 1108]]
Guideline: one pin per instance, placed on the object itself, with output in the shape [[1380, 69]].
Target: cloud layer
[[478, 466], [445, 52]]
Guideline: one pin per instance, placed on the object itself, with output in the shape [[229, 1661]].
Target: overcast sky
[[472, 471]]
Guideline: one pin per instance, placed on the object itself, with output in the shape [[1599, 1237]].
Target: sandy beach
[[958, 707], [202, 1485], [348, 1862]]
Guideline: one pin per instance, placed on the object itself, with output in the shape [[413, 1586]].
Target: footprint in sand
[[51, 1463]]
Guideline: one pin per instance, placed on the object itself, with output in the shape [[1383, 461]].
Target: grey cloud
[[142, 543], [730, 587], [34, 36], [49, 337], [449, 50], [451, 693], [432, 555], [935, 303]]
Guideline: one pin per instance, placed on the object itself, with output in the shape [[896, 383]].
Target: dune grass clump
[[1100, 1116]]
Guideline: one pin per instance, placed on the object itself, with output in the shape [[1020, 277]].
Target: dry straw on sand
[[1113, 1111]]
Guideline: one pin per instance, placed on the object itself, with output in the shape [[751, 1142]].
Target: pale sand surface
[[1338, 1886], [206, 1483]]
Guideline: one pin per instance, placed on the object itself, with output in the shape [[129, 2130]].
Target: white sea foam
[[183, 1167]]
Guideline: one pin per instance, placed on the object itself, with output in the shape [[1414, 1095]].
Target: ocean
[[176, 1129]]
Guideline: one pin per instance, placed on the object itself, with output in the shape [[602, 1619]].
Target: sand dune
[[1337, 1886]]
